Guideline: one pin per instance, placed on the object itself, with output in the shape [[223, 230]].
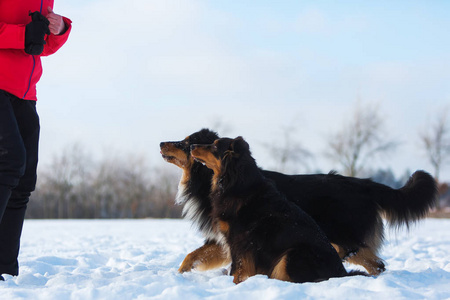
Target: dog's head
[[178, 153], [218, 155]]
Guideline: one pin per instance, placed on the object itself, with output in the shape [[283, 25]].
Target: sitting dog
[[349, 210], [265, 233]]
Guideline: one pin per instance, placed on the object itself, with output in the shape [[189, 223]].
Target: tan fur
[[206, 156], [186, 175], [211, 162], [244, 268], [224, 227], [175, 156], [339, 250], [279, 271], [179, 158], [368, 259], [207, 257]]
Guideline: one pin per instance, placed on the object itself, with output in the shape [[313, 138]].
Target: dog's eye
[[185, 144]]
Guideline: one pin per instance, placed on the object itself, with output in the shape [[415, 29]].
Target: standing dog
[[349, 210], [265, 233]]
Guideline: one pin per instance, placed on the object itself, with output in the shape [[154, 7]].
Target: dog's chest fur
[[200, 214]]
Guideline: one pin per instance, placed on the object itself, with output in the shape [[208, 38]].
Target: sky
[[138, 72]]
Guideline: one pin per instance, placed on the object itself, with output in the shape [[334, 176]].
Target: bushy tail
[[411, 202]]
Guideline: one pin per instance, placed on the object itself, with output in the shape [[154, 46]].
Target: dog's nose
[[161, 144]]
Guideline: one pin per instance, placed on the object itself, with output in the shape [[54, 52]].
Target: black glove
[[35, 32]]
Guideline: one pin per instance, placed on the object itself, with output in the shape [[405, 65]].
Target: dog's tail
[[411, 202]]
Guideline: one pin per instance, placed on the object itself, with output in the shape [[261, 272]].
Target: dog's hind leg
[[207, 257], [344, 253], [341, 252], [367, 258], [367, 254], [279, 271]]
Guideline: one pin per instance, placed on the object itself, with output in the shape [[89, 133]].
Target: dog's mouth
[[167, 157], [199, 160]]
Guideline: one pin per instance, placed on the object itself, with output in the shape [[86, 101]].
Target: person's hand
[[57, 25], [35, 32]]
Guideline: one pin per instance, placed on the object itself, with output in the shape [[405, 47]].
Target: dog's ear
[[239, 145]]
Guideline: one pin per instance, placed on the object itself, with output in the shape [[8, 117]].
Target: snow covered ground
[[138, 259]]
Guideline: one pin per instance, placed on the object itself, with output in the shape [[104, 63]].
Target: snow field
[[139, 259]]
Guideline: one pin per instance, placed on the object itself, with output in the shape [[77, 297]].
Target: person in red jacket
[[29, 29]]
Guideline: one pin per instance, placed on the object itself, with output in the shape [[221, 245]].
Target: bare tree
[[360, 140], [289, 155], [436, 142], [163, 193], [68, 176], [221, 127]]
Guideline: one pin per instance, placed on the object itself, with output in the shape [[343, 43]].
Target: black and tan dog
[[349, 210], [265, 233]]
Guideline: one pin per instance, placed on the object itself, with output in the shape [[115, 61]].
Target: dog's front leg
[[243, 268], [207, 257]]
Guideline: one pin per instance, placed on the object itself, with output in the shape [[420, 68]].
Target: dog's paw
[[188, 264]]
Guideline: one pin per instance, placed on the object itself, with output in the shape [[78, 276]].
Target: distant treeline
[[74, 186]]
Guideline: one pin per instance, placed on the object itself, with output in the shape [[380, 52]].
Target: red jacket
[[19, 71]]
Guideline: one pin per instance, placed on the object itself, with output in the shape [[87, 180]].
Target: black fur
[[262, 226]]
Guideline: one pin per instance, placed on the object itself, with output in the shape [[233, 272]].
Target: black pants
[[19, 139]]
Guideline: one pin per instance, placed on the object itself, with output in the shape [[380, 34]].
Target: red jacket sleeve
[[12, 36], [54, 42]]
